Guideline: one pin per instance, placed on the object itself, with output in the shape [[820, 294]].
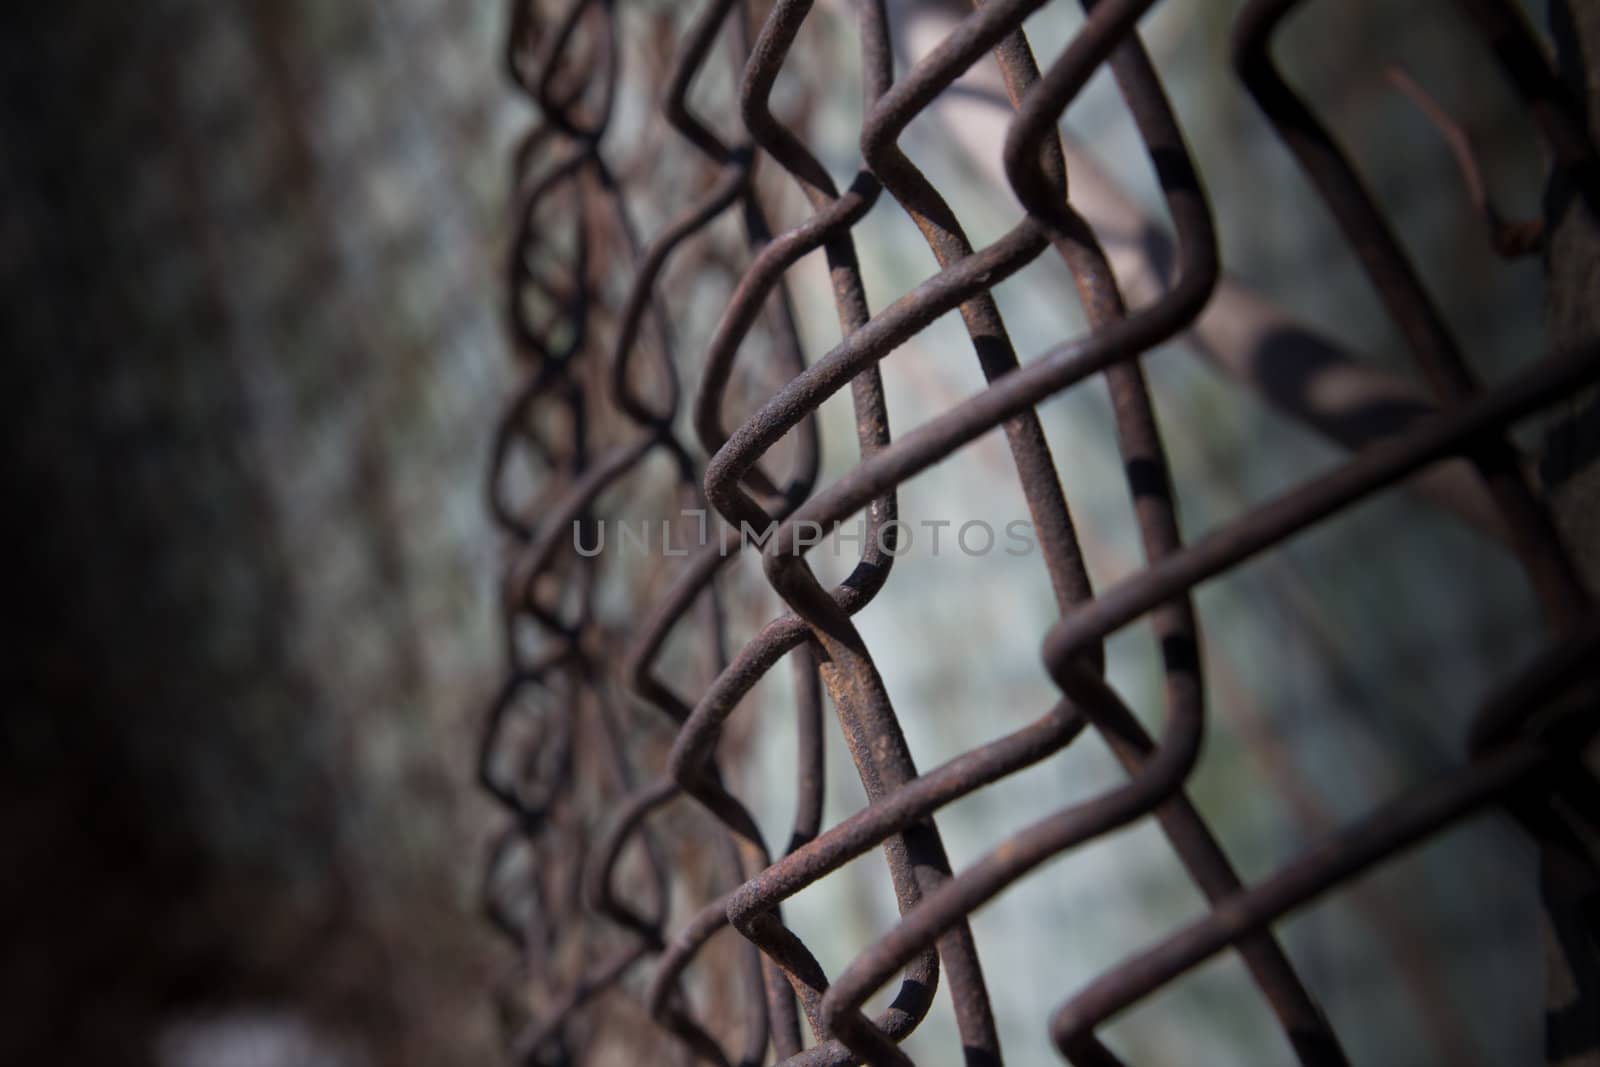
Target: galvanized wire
[[604, 394]]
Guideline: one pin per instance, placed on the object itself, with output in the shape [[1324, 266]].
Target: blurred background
[[253, 348]]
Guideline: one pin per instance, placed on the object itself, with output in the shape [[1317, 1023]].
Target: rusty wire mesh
[[582, 878]]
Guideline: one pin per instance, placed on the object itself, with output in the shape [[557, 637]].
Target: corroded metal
[[604, 393]]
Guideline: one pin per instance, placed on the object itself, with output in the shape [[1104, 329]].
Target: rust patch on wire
[[567, 750]]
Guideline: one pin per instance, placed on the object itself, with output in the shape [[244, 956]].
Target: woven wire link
[[595, 742]]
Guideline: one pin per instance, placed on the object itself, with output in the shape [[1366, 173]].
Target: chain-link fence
[[669, 425]]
